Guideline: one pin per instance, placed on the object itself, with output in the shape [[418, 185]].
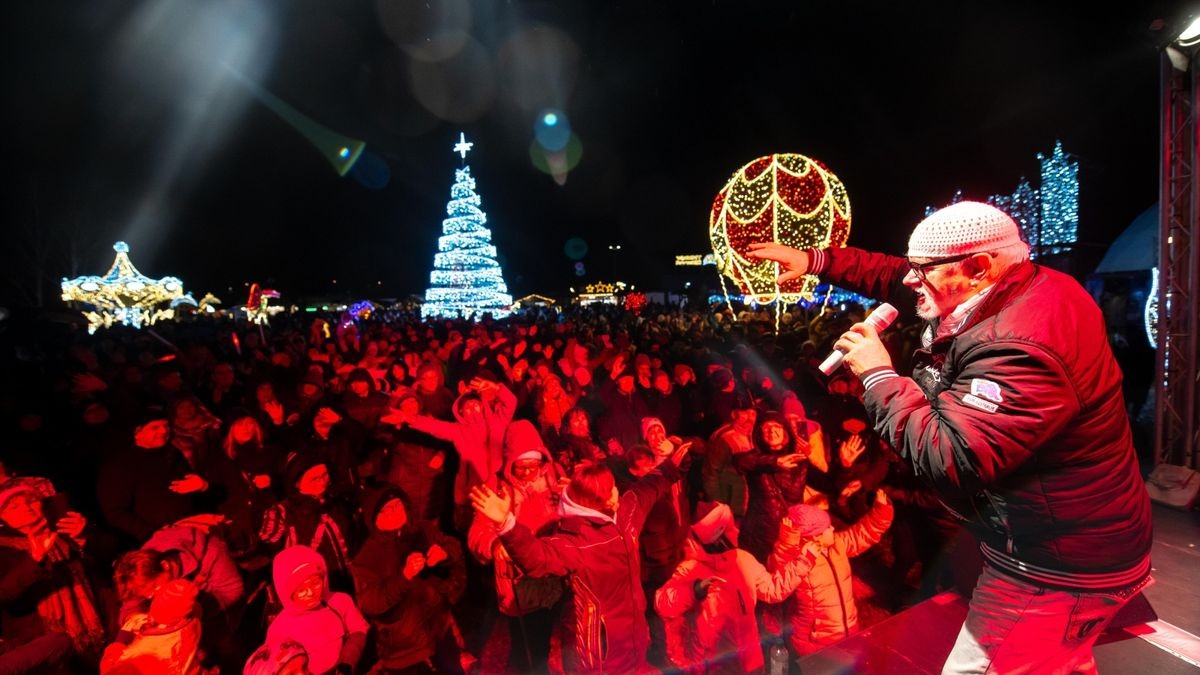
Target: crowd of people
[[376, 495], [592, 491]]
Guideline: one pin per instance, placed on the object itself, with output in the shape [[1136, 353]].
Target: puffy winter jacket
[[479, 441], [1018, 423], [823, 609], [723, 625], [334, 632], [606, 613], [204, 559], [772, 491], [409, 615], [536, 507]]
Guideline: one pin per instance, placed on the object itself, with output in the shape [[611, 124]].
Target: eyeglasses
[[921, 269]]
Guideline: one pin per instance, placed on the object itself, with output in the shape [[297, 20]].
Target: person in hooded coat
[[329, 625], [362, 400], [822, 610], [532, 478], [775, 477], [716, 590], [482, 415], [407, 577]]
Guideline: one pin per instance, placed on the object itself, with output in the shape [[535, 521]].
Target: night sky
[[123, 122]]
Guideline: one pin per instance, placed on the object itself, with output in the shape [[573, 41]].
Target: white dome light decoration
[[466, 280], [124, 295]]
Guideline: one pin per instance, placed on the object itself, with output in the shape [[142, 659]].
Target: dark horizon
[[118, 133]]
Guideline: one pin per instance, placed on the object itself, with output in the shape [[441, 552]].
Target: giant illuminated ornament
[[466, 280], [787, 199], [124, 295]]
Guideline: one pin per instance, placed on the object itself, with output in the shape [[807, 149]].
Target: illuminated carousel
[[124, 295]]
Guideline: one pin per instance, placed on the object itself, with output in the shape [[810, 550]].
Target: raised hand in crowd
[[274, 410], [189, 484], [495, 506], [680, 453], [850, 449], [791, 461], [87, 383], [435, 556], [414, 564]]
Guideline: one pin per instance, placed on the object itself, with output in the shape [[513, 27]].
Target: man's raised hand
[[793, 263]]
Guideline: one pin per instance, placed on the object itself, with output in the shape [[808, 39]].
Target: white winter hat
[[963, 228]]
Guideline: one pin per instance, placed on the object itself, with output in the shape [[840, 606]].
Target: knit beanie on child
[[961, 229], [714, 519], [809, 520]]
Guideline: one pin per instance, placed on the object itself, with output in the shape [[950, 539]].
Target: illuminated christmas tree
[[466, 280]]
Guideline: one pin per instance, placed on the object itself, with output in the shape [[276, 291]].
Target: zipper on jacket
[[841, 598]]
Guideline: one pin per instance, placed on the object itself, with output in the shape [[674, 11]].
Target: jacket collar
[[1012, 283]]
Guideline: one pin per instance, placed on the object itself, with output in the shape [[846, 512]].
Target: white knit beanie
[[962, 228]]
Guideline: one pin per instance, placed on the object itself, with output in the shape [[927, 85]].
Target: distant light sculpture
[[258, 308], [124, 295]]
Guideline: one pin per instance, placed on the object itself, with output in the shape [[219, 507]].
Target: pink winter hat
[[648, 422], [810, 520]]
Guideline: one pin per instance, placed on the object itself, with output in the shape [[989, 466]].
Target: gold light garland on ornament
[[788, 199]]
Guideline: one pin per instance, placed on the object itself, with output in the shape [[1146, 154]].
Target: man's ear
[[979, 266]]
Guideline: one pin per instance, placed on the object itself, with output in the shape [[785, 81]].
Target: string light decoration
[[600, 291], [1150, 311], [784, 198], [258, 308], [1048, 215], [635, 302], [124, 295], [1025, 207], [1060, 202], [466, 280], [362, 310]]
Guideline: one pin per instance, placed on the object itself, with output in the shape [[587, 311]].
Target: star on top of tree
[[463, 147]]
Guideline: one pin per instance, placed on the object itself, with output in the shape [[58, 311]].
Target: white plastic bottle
[[779, 659]]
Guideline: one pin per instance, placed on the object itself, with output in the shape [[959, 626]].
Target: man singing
[[1014, 416]]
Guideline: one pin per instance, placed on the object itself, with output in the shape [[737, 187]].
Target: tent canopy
[[1136, 249]]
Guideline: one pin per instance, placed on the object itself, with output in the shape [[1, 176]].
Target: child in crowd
[[166, 639], [716, 589], [329, 625], [822, 611]]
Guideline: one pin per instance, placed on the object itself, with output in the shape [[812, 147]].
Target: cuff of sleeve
[[509, 523], [818, 260], [876, 375]]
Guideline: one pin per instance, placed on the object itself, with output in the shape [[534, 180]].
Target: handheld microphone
[[879, 319]]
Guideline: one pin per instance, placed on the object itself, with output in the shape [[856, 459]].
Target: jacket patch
[[986, 389], [976, 402]]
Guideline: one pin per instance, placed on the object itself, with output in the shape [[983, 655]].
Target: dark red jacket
[[772, 492], [606, 614], [1019, 425]]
